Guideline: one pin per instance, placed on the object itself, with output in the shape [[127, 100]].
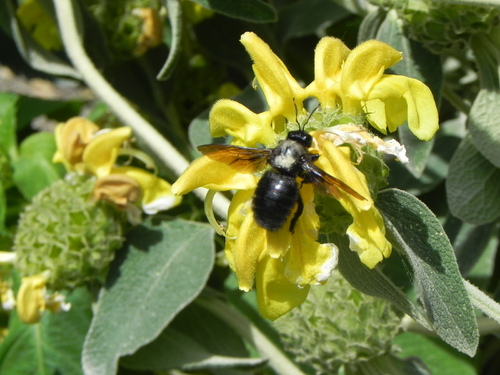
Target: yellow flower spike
[[213, 175], [118, 189], [101, 153], [276, 295], [156, 193], [71, 139], [329, 57], [367, 232], [249, 129], [278, 85], [31, 298]]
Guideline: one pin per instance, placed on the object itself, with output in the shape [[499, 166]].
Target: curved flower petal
[[367, 232], [329, 56], [278, 85], [156, 193], [228, 117], [31, 298], [246, 241], [276, 295], [101, 153], [365, 65], [308, 262], [214, 175], [71, 139], [409, 96]]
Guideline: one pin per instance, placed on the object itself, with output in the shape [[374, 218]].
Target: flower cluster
[[83, 148], [348, 84], [67, 236]]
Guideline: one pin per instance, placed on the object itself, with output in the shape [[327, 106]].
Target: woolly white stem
[[122, 109]]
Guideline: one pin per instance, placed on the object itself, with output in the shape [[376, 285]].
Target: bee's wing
[[243, 159], [327, 184]]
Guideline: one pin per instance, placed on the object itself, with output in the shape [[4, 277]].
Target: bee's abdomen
[[275, 196]]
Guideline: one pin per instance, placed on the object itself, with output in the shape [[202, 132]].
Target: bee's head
[[301, 137]]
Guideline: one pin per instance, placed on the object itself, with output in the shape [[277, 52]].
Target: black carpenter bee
[[278, 191]]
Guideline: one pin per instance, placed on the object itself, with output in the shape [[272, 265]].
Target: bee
[[278, 191]]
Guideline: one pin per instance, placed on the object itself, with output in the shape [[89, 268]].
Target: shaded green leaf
[[174, 11], [8, 139], [439, 358], [415, 231], [306, 17], [34, 54], [248, 10], [195, 340], [52, 346], [483, 125], [161, 269], [472, 183], [34, 170]]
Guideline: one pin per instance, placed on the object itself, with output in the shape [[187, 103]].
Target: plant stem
[[163, 149], [266, 348]]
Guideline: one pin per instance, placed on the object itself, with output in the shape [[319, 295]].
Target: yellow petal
[[308, 262], [228, 117], [407, 99], [365, 65], [31, 298], [156, 193], [283, 93], [101, 153], [329, 56], [71, 139], [248, 247], [214, 175], [276, 295], [367, 236], [238, 210]]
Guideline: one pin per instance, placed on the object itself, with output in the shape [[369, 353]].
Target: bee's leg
[[296, 215]]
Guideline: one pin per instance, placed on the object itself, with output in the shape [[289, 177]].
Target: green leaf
[[195, 340], [483, 125], [34, 54], [248, 10], [34, 170], [472, 186], [8, 139], [52, 346], [373, 282], [306, 17], [174, 11], [440, 359], [161, 270], [415, 231]]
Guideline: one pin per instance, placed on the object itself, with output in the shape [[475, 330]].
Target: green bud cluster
[[120, 26], [442, 26], [338, 325], [64, 232]]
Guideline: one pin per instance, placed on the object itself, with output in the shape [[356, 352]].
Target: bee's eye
[[300, 136]]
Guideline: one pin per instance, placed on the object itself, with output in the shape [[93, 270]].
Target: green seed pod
[[64, 232], [338, 325]]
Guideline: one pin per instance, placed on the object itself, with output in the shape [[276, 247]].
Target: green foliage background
[[169, 303]]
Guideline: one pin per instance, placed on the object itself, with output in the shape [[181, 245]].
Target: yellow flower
[[83, 148], [283, 264], [33, 300], [355, 80]]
